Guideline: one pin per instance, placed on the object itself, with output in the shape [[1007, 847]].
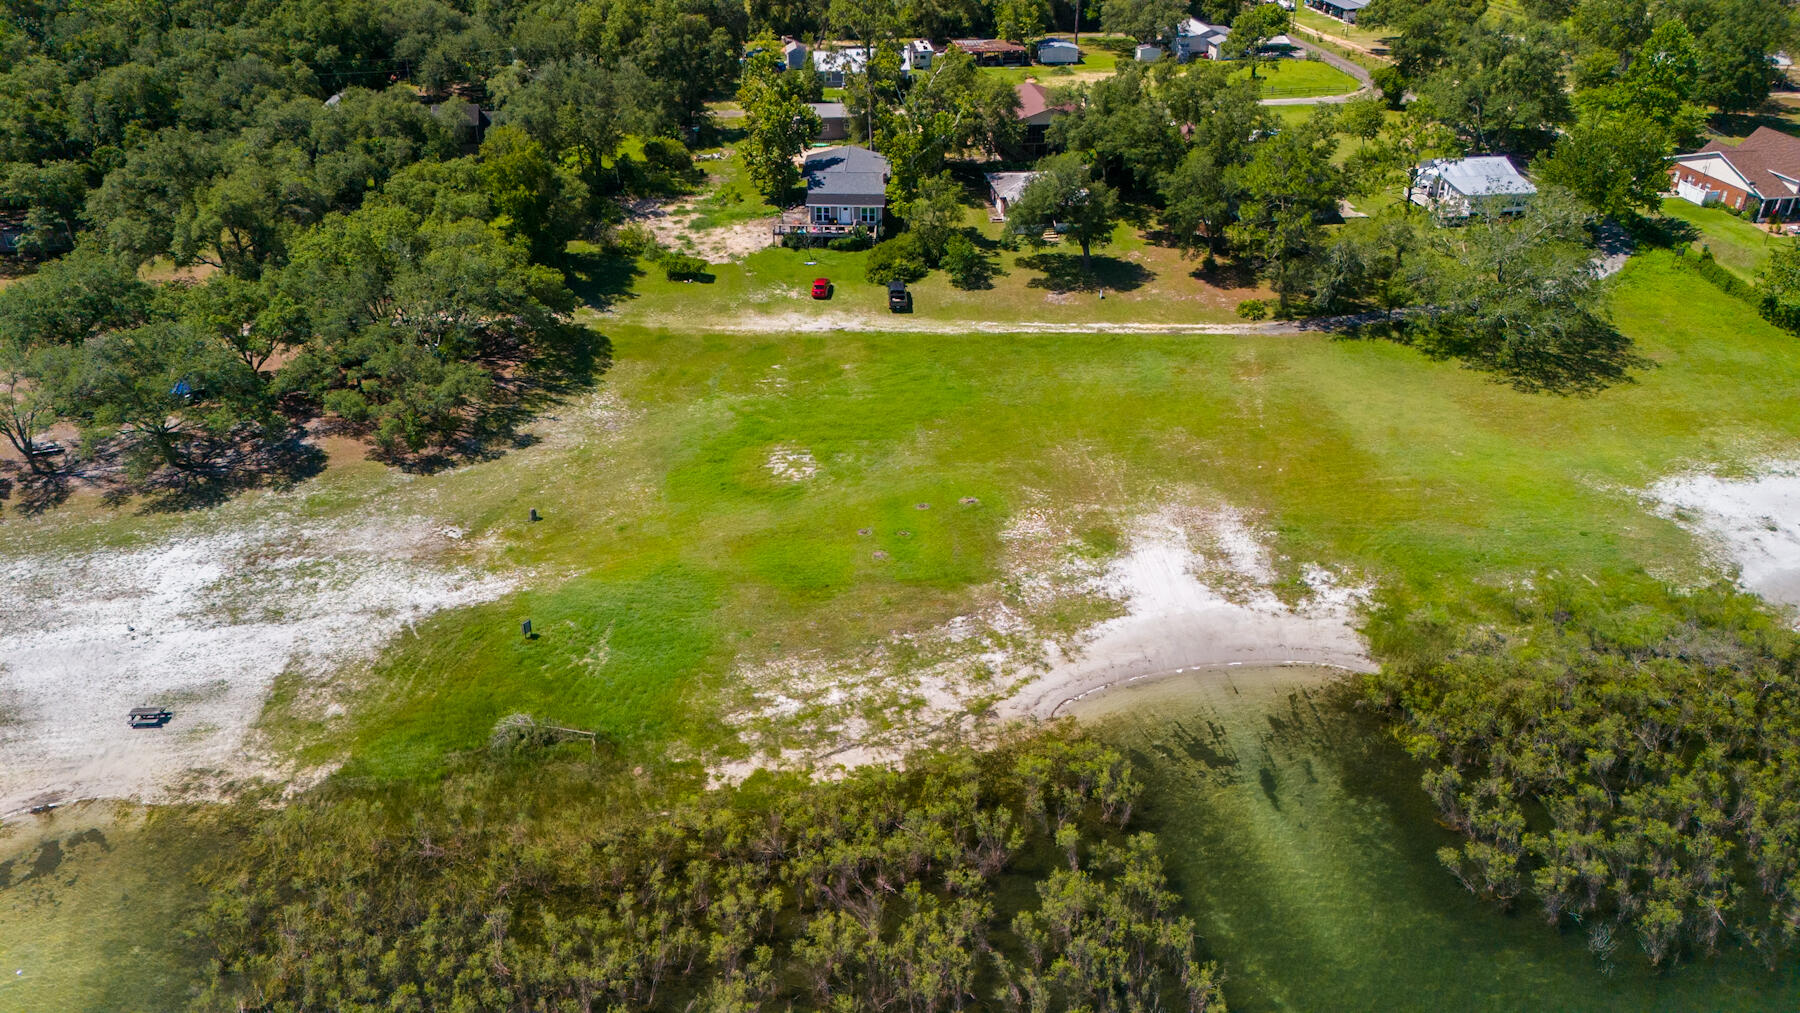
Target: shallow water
[[1306, 851]]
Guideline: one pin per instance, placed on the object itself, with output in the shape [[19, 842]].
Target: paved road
[[1351, 67]]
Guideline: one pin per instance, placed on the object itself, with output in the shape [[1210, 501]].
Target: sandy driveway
[[900, 323]]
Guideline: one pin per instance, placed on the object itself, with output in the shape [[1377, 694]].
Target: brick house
[[1765, 167]]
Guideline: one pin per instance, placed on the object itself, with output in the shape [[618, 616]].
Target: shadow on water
[[1306, 851]]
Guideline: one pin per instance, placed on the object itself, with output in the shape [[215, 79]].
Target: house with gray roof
[[1456, 188], [834, 120], [846, 188]]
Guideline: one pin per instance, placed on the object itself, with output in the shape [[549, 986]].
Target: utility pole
[[1077, 22]]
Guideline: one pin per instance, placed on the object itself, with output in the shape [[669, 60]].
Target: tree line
[[1008, 881], [1622, 757]]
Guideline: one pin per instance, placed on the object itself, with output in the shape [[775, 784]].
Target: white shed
[[1058, 51]]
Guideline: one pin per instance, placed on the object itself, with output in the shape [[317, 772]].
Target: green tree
[[1065, 196], [576, 110], [778, 125], [1020, 21], [532, 197], [1142, 20], [1612, 162], [1288, 186], [1518, 298], [1253, 29], [935, 215], [1501, 89]]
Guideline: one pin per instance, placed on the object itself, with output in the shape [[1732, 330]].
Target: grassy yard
[[1300, 79], [1096, 62], [1367, 38], [1143, 282], [1735, 243]]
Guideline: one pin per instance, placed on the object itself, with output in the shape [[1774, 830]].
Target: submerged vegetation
[[1623, 757], [1005, 880]]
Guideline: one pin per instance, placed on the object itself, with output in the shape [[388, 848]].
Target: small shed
[[1005, 188], [794, 54], [1344, 10], [1149, 52], [834, 120], [994, 52], [1058, 52]]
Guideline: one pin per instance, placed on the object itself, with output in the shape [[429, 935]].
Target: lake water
[[1307, 852]]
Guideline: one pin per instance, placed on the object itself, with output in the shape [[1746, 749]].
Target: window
[[868, 216], [821, 216]]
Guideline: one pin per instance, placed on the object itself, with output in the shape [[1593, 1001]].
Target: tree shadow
[[32, 492], [1062, 272], [1662, 230], [1769, 115], [602, 278], [1236, 273], [233, 465]]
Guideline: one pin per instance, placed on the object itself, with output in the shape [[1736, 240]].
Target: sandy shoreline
[[1179, 622]]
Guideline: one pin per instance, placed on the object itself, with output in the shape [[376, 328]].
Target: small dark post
[[534, 515], [525, 628]]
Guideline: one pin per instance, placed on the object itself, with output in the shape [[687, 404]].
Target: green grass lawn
[[1096, 62], [1300, 79], [1737, 244], [1368, 38], [1143, 282]]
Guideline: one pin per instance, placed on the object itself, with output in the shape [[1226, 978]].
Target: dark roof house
[[846, 188]]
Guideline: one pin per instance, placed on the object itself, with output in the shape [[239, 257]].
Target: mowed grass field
[[1738, 245], [671, 552], [1300, 79]]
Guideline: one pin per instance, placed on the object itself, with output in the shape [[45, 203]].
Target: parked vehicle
[[821, 288], [899, 299]]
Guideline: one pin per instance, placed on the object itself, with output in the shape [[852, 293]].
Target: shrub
[[796, 240], [897, 259], [967, 267], [634, 240], [681, 267], [858, 239], [1253, 309], [666, 154]]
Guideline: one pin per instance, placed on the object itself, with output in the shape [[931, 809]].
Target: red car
[[821, 288]]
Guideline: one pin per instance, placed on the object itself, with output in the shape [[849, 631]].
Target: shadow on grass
[[602, 279], [1743, 124], [1062, 272], [1582, 362], [231, 466], [32, 492]]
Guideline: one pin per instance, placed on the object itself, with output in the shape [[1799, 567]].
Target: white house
[[834, 64], [1455, 188], [1058, 51], [1197, 40]]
